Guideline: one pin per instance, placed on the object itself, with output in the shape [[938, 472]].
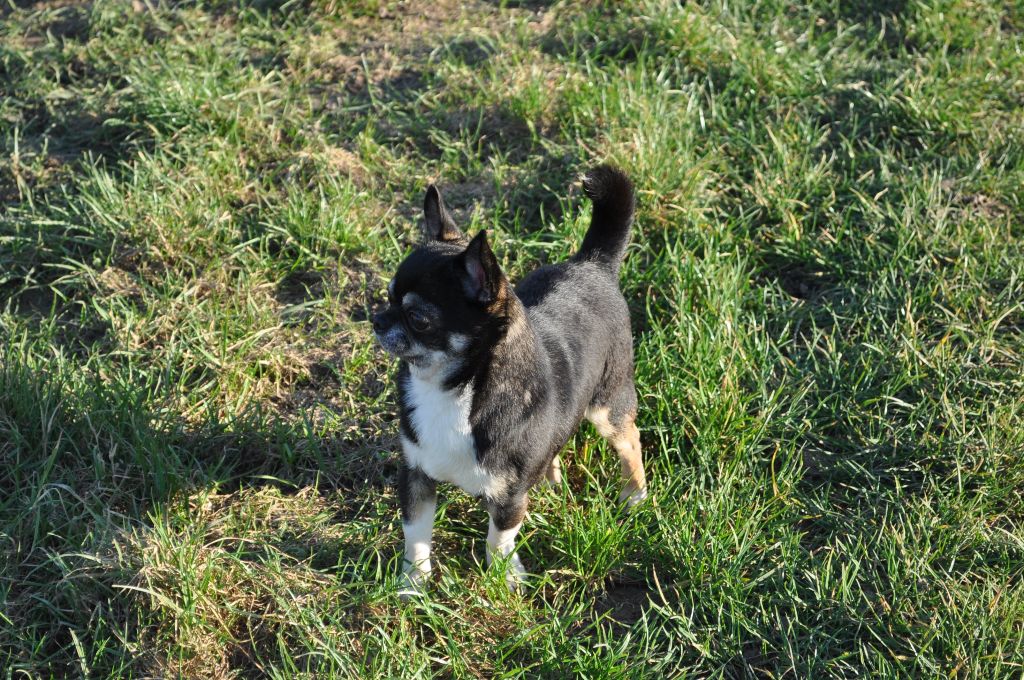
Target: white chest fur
[[445, 450]]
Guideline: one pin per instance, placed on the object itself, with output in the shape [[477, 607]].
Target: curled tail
[[612, 195]]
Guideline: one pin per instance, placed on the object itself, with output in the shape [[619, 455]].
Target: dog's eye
[[418, 320]]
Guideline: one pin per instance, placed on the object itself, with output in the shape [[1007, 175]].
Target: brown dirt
[[975, 204]]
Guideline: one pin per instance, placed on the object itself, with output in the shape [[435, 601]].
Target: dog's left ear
[[481, 276], [438, 225]]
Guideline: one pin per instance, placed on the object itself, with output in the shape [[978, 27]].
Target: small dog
[[493, 380]]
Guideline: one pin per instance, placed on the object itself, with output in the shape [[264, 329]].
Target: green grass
[[202, 204]]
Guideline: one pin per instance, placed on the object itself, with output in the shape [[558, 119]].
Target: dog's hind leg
[[615, 420], [626, 441]]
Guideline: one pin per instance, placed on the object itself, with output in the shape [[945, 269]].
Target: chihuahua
[[493, 380]]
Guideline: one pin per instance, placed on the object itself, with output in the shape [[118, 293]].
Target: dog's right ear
[[437, 223], [482, 279]]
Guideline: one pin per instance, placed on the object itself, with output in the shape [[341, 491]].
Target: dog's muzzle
[[390, 334]]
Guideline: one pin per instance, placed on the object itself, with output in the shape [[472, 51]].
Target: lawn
[[202, 205]]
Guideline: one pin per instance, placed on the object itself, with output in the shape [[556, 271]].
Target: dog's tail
[[612, 195]]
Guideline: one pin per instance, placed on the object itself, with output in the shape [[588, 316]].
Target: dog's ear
[[481, 276], [437, 223]]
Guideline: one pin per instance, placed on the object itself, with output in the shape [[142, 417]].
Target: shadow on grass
[[534, 5], [882, 20], [401, 106], [54, 137], [87, 464]]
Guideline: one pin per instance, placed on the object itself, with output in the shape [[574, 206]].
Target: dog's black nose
[[378, 322]]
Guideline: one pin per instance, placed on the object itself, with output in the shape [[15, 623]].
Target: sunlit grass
[[202, 205]]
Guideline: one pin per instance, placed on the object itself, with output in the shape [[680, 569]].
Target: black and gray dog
[[494, 380]]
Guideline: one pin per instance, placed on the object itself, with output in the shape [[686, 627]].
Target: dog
[[493, 380]]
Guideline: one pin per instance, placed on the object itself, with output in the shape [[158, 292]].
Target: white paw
[[633, 498], [553, 476], [549, 483], [515, 572], [413, 582]]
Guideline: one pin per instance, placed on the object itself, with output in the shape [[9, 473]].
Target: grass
[[202, 204]]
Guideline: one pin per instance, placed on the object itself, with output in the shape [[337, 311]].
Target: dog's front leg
[[418, 495], [506, 520]]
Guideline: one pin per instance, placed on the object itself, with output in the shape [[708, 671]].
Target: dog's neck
[[517, 325], [515, 355]]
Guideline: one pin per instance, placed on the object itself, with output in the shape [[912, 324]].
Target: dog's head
[[445, 299]]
